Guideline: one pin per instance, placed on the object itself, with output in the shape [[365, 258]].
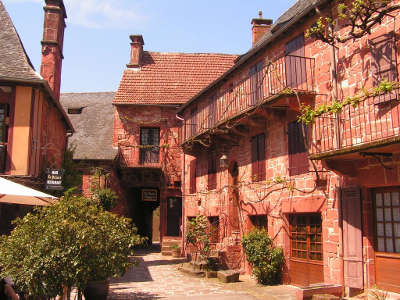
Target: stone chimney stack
[[52, 44], [260, 26], [136, 51]]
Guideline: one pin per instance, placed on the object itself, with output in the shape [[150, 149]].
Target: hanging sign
[[149, 195], [54, 179]]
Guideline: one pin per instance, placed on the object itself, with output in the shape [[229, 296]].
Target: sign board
[[54, 179], [149, 195]]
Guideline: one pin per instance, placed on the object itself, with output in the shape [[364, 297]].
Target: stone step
[[166, 253], [170, 243], [228, 276], [187, 268]]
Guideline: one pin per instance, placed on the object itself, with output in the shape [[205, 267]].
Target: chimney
[[260, 27], [136, 51], [52, 44]]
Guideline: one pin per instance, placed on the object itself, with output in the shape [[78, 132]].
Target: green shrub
[[198, 235], [265, 259], [67, 244]]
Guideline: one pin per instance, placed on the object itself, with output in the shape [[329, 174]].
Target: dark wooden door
[[257, 83], [174, 216], [295, 63], [387, 238], [306, 260], [352, 237]]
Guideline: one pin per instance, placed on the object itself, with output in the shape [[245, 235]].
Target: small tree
[[65, 245], [198, 235], [265, 259]]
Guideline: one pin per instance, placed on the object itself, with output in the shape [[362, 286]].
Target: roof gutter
[[245, 57], [45, 86]]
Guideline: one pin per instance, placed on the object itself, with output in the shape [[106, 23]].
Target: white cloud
[[100, 13]]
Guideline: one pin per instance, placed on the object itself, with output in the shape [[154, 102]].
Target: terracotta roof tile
[[170, 78]]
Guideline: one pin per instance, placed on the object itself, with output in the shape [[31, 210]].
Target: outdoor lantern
[[223, 161]]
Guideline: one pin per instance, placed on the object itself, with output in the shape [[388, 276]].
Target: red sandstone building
[[327, 193], [33, 125]]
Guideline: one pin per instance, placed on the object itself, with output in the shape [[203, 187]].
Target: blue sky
[[96, 46]]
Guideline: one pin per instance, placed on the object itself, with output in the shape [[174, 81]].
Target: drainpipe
[[183, 186]]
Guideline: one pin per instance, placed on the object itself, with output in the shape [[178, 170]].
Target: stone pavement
[[157, 277]]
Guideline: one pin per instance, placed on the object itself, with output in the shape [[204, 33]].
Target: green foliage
[[72, 174], [175, 246], [198, 235], [266, 260], [67, 244], [106, 197], [308, 114]]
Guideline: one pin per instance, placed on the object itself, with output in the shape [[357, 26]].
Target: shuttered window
[[258, 167], [256, 83], [298, 156], [383, 64], [259, 221], [306, 236], [295, 64], [150, 145], [212, 171], [192, 167]]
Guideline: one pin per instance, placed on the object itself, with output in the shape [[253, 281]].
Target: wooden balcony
[[281, 78], [138, 157], [371, 126]]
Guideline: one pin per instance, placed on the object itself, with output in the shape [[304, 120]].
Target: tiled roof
[[170, 78], [14, 62], [93, 126]]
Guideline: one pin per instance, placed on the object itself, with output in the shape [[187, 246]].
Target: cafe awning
[[14, 193]]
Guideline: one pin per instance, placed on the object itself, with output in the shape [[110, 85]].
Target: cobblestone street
[[157, 277]]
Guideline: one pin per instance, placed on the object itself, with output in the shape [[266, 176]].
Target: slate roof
[[14, 62], [93, 126], [296, 12], [170, 78]]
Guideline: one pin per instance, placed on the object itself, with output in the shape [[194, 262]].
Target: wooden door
[[352, 237], [387, 238], [306, 259], [295, 63], [174, 216]]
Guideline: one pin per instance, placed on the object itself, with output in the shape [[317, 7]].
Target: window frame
[[149, 154]]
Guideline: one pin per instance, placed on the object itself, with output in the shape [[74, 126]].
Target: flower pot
[[96, 290]]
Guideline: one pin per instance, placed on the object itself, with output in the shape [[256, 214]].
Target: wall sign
[[54, 179], [149, 195]]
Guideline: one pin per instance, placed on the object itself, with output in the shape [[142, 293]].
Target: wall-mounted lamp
[[223, 161]]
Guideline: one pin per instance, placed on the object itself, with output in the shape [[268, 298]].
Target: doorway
[[174, 216]]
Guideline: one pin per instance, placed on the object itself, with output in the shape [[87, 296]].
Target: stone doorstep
[[306, 293], [228, 276]]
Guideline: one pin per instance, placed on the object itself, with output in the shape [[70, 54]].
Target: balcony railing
[[286, 73], [370, 124], [137, 157]]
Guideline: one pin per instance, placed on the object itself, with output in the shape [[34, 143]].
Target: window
[[212, 172], [259, 221], [150, 145], [192, 188], [298, 156], [306, 236], [387, 216], [4, 124], [256, 83], [383, 64], [75, 111], [214, 229], [258, 157]]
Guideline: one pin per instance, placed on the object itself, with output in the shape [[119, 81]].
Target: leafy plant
[[198, 235], [106, 197], [175, 246], [266, 260], [67, 244]]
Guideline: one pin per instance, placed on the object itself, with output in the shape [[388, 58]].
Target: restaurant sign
[[54, 179], [149, 195]]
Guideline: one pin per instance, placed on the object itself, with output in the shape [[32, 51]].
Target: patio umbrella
[[11, 192]]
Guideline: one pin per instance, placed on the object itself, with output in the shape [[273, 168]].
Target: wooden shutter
[[383, 51], [254, 158], [298, 156], [295, 63], [352, 237], [212, 172], [192, 166], [261, 157]]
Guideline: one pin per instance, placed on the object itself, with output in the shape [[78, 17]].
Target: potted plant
[[68, 244], [176, 250]]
